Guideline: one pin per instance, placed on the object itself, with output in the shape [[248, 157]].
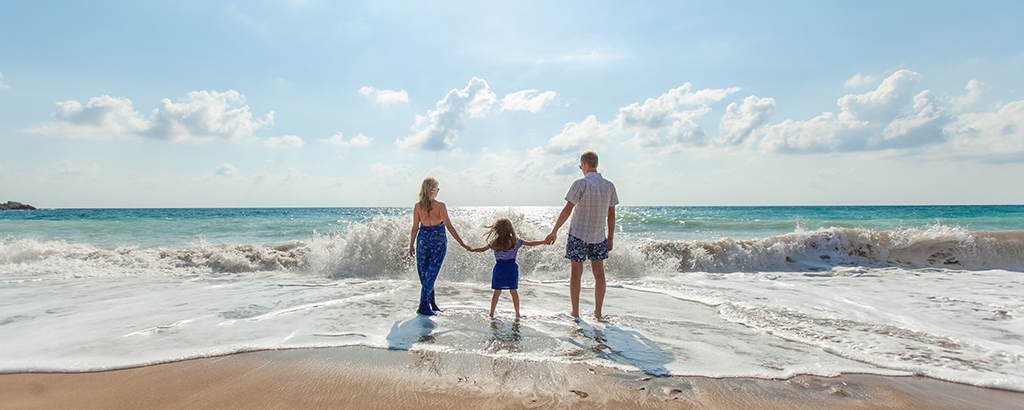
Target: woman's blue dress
[[431, 246]]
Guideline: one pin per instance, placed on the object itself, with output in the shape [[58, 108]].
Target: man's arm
[[562, 217], [611, 226]]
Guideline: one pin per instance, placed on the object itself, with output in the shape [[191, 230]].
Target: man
[[591, 202]]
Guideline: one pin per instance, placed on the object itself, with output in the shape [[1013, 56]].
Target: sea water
[[712, 291]]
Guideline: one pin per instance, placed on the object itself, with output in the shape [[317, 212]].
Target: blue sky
[[318, 103]]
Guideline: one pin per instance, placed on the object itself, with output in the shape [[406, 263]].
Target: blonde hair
[[503, 234], [428, 187]]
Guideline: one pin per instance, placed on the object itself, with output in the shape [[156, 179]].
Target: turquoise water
[[174, 228]]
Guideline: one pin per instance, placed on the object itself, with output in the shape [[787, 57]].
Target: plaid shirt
[[591, 195]]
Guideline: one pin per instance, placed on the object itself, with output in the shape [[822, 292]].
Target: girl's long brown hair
[[503, 234], [428, 187]]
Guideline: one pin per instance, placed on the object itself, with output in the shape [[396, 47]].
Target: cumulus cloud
[[440, 128], [284, 142], [566, 167], [663, 123], [2, 85], [860, 80], [358, 141], [974, 90], [526, 100], [576, 137], [998, 136], [871, 121], [226, 170], [741, 120], [385, 97], [201, 116]]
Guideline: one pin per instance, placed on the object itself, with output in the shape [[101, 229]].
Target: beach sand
[[367, 378]]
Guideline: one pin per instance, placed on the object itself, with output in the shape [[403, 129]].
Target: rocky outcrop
[[15, 205]]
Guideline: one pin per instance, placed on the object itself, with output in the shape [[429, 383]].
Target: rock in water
[[16, 205]]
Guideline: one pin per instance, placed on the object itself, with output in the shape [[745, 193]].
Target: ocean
[[768, 292]]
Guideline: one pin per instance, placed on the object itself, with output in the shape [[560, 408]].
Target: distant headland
[[16, 205]]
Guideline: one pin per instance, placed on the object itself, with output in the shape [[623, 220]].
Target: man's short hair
[[589, 158]]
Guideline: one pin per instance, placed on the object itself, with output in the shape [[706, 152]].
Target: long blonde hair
[[428, 187], [503, 234]]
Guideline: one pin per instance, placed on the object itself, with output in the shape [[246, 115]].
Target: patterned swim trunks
[[578, 251]]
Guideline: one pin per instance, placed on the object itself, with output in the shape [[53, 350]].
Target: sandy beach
[[367, 378]]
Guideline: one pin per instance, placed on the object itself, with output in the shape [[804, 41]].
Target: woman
[[429, 243]]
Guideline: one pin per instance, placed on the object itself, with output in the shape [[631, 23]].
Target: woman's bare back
[[432, 217]]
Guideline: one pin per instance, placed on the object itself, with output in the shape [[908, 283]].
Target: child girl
[[503, 241]]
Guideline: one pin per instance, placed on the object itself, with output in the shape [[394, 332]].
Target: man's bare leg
[[598, 268], [575, 275]]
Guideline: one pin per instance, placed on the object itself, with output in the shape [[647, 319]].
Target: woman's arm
[[448, 224], [415, 229]]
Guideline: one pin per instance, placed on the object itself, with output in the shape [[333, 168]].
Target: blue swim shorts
[[578, 251]]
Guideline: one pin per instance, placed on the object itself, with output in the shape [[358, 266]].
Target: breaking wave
[[378, 249]]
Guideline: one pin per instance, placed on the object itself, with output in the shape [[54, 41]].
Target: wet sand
[[366, 378]]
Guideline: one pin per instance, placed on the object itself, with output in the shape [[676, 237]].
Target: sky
[[296, 103]]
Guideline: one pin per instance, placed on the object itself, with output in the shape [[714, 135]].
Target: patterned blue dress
[[506, 270], [431, 246]]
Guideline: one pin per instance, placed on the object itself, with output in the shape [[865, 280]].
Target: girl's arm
[[480, 249], [448, 224], [534, 243], [415, 229]]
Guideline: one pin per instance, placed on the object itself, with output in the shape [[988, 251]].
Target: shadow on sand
[[625, 347], [415, 330]]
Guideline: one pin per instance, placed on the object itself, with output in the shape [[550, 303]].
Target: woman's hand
[[466, 247], [412, 252]]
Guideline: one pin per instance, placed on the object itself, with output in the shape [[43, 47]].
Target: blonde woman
[[428, 242]]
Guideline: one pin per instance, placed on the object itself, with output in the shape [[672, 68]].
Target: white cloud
[[661, 123], [869, 121], [390, 175], [741, 120], [103, 117], [385, 97], [226, 170], [2, 85], [566, 167], [860, 80], [294, 174], [204, 116], [70, 168], [441, 127], [201, 116], [358, 141], [284, 142], [504, 167], [994, 136], [526, 101], [576, 137], [974, 90]]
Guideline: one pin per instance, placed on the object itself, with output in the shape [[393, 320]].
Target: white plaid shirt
[[591, 195]]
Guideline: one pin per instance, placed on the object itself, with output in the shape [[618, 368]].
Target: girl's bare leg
[[494, 300], [515, 301]]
